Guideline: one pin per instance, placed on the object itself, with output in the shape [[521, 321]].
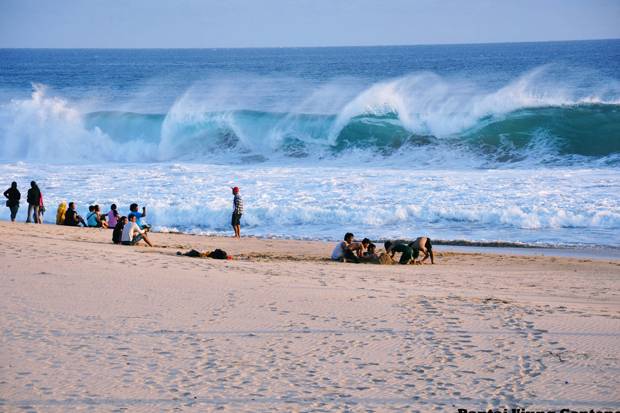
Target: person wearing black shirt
[[406, 251], [72, 218], [34, 203], [12, 199]]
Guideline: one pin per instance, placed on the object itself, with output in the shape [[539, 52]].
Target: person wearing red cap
[[237, 212]]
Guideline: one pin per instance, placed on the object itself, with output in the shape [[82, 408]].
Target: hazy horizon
[[192, 24], [316, 47]]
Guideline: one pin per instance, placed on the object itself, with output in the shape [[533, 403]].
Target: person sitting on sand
[[94, 217], [133, 208], [371, 251], [113, 216], [406, 252], [61, 212], [117, 234], [132, 233], [72, 218], [102, 217], [344, 251], [422, 245], [370, 255], [13, 196], [90, 217], [359, 248]]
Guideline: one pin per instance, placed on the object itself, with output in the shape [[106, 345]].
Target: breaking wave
[[421, 117]]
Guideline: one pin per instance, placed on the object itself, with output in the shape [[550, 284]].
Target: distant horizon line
[[309, 47]]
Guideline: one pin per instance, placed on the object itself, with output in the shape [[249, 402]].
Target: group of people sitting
[[127, 230], [365, 251]]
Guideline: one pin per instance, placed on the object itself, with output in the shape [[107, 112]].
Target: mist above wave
[[422, 117]]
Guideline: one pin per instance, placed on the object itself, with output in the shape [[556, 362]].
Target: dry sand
[[91, 326]]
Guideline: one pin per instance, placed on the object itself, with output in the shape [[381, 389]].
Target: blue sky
[[282, 23]]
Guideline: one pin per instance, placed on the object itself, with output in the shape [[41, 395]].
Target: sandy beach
[[91, 326]]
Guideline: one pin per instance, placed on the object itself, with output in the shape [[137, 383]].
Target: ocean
[[516, 144]]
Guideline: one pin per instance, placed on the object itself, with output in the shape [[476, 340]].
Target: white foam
[[556, 206], [48, 128]]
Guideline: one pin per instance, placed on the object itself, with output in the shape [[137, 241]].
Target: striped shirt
[[238, 205]]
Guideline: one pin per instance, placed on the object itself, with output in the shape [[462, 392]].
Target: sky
[[299, 23]]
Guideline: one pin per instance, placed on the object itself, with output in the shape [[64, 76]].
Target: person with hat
[[237, 212]]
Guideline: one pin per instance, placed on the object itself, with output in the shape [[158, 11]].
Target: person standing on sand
[[34, 203], [41, 209], [12, 199], [237, 212]]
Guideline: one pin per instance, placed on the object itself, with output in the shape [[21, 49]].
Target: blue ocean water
[[497, 142]]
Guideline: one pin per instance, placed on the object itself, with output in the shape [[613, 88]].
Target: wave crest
[[422, 116]]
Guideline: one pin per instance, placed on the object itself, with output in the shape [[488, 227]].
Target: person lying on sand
[[344, 251], [422, 245], [406, 252], [132, 233]]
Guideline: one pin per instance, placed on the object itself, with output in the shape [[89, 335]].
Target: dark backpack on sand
[[218, 254]]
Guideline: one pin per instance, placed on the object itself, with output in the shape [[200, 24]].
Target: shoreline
[[457, 246]]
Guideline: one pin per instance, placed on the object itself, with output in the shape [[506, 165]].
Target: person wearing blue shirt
[[139, 216]]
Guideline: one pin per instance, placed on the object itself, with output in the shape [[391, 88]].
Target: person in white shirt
[[132, 234], [344, 251]]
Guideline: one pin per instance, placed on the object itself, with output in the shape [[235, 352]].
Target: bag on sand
[[218, 254], [192, 253]]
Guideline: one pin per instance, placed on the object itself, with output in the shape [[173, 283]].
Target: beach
[[92, 326]]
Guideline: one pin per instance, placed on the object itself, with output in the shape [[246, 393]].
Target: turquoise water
[[453, 133]]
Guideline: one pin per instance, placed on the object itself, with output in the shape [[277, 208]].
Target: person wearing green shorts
[[406, 252]]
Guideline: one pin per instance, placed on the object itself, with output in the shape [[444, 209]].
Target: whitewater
[[522, 150]]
